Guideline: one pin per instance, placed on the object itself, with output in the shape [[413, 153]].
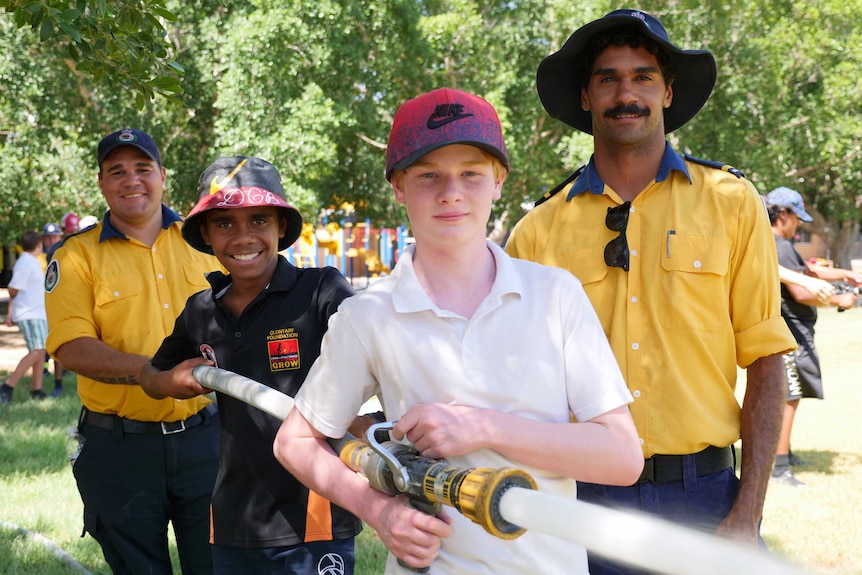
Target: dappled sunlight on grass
[[818, 526]]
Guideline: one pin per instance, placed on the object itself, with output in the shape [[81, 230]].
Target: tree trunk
[[842, 243]]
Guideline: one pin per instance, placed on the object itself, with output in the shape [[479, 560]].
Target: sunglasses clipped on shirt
[[617, 250]]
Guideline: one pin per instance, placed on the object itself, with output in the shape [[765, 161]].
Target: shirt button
[[116, 294], [636, 393], [161, 277], [634, 253], [167, 305], [237, 335], [641, 440], [634, 299], [697, 264], [635, 346]]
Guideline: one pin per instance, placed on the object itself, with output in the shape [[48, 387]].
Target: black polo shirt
[[256, 502], [799, 316]]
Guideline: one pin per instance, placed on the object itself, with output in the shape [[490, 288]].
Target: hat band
[[245, 196]]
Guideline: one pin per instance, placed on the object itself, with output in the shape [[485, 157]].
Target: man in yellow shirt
[[676, 256], [113, 293]]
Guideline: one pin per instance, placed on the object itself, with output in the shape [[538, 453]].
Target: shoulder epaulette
[[716, 165], [556, 189], [54, 248]]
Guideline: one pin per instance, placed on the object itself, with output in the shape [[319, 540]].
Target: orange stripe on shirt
[[318, 519], [212, 529]]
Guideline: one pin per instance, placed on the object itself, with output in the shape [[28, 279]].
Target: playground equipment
[[505, 503], [356, 250]]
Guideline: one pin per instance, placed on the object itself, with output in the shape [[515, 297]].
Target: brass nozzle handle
[[476, 494]]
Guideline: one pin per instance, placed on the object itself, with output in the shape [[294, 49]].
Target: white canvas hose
[[637, 539]]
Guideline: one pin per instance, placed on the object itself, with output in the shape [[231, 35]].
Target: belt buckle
[[169, 428], [648, 473]]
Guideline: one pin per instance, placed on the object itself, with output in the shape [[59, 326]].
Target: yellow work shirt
[[127, 294], [701, 296]]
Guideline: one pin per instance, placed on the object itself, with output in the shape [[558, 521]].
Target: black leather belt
[[110, 422], [668, 468]]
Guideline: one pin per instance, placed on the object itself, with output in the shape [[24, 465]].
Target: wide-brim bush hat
[[560, 76], [240, 182]]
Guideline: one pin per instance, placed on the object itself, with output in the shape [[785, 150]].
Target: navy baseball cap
[[561, 75], [129, 137], [790, 199], [240, 182], [52, 230], [439, 118]]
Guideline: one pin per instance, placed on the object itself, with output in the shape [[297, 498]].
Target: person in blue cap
[[51, 236], [670, 250], [799, 309]]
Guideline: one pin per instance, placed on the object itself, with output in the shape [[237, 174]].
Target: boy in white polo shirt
[[482, 359]]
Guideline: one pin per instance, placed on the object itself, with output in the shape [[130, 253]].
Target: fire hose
[[392, 467], [505, 501]]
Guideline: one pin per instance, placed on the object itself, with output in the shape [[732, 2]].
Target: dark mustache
[[627, 109]]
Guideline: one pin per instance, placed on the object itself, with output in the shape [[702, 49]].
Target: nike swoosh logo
[[436, 123], [216, 186]]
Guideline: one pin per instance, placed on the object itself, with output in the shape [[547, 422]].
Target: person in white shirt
[[482, 359], [27, 310]]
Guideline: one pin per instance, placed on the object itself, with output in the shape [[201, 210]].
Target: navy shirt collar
[[109, 231], [283, 279], [590, 181]]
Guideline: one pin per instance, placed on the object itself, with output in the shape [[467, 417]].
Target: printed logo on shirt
[[283, 348], [330, 564], [208, 353], [52, 276]]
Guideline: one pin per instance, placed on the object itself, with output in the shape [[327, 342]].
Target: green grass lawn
[[817, 527], [820, 526]]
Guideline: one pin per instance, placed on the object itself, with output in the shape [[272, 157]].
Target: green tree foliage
[[116, 41], [786, 106], [312, 87], [44, 152]]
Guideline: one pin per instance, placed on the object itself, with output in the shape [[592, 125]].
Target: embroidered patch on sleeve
[[52, 276]]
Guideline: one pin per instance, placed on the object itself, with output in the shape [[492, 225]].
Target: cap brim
[[131, 145], [559, 77], [408, 161], [803, 215]]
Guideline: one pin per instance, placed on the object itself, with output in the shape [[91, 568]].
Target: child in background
[[27, 310]]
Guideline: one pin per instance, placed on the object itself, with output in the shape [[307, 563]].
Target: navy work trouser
[[134, 484], [698, 502]]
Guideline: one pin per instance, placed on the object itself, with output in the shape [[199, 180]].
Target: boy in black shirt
[[265, 321]]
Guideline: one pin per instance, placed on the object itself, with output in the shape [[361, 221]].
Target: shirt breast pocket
[[117, 304], [694, 286], [588, 265], [196, 279]]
